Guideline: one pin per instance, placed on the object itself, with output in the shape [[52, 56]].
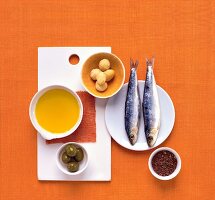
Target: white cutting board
[[54, 68]]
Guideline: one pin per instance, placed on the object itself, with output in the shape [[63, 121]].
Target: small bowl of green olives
[[72, 158]]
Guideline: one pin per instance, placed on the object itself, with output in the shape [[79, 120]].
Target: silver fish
[[151, 107], [132, 105]]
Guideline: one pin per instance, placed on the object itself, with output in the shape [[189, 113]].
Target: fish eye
[[132, 137], [150, 138]]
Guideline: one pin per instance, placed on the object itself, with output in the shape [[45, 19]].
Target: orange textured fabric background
[[181, 36]]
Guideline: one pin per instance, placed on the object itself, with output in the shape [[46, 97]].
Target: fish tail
[[150, 62], [132, 64]]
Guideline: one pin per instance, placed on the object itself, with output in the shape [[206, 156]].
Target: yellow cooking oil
[[57, 111]]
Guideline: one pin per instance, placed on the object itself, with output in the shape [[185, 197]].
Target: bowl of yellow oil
[[56, 111]]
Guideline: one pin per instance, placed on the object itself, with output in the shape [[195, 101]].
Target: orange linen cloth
[[86, 132], [181, 35]]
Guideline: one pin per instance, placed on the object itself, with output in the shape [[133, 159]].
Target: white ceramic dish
[[44, 133], [114, 117], [82, 165], [171, 176]]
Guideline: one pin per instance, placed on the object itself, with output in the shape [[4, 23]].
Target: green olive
[[73, 166], [65, 158], [71, 150], [79, 155]]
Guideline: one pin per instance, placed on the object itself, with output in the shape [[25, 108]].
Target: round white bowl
[[44, 133], [171, 176], [82, 164]]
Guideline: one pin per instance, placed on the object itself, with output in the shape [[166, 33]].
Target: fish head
[[152, 136], [133, 136]]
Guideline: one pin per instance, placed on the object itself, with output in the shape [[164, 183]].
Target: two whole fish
[[150, 106]]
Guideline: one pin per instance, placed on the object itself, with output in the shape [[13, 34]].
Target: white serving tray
[[54, 68]]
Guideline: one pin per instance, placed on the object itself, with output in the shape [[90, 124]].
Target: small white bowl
[[178, 167], [82, 164], [44, 133]]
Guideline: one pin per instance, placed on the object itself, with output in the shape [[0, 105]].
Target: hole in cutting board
[[74, 59]]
